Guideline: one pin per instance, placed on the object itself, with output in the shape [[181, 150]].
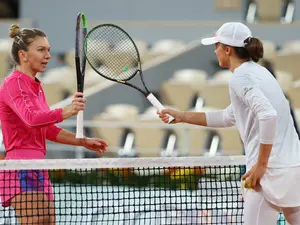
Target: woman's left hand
[[95, 144], [253, 176]]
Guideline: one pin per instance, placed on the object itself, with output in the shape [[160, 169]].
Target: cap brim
[[209, 41]]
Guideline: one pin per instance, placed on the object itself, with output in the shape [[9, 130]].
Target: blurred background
[[181, 72]]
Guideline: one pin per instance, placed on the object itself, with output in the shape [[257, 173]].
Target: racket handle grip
[[79, 125], [154, 101]]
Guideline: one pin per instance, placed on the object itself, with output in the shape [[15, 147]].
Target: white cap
[[233, 34]]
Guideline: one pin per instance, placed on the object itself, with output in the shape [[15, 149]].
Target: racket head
[[112, 53], [80, 58]]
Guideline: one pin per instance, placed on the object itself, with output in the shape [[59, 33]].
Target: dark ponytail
[[253, 49]]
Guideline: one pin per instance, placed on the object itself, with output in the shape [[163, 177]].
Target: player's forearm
[[68, 138], [196, 118], [264, 154], [68, 112]]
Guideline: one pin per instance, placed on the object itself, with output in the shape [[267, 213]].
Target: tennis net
[[128, 191]]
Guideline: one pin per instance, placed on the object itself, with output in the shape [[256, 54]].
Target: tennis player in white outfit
[[261, 114]]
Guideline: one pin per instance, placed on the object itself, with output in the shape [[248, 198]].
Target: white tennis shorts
[[280, 186], [279, 192]]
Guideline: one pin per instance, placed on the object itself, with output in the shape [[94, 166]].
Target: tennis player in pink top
[[27, 122]]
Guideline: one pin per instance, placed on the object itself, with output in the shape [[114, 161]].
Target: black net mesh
[[128, 191]]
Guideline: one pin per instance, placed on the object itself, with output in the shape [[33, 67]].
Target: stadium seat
[[65, 77], [170, 144], [267, 13], [182, 87], [70, 57], [269, 49], [143, 49], [221, 77], [195, 77], [215, 95], [92, 78], [284, 79], [5, 44], [229, 5], [195, 138], [166, 47], [5, 60], [297, 114], [149, 139], [290, 47], [198, 136], [67, 85], [293, 94], [122, 111], [54, 92], [231, 143], [177, 94], [288, 62], [114, 113], [3, 65]]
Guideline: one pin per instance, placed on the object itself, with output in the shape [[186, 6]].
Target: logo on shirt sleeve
[[246, 90]]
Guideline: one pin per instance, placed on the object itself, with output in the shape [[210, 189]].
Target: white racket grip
[[154, 101], [79, 125]]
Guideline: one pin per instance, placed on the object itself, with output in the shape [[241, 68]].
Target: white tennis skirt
[[281, 186]]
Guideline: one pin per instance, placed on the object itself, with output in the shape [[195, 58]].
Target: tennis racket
[[112, 53], [80, 62]]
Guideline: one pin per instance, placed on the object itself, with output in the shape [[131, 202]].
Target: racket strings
[[112, 53]]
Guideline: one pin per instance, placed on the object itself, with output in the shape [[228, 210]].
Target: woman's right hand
[[164, 115], [78, 104]]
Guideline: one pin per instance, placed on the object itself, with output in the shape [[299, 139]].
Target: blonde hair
[[14, 30], [22, 39]]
